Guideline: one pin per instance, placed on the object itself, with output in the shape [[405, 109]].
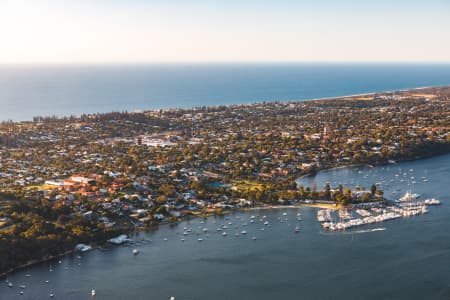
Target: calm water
[[29, 91], [409, 260]]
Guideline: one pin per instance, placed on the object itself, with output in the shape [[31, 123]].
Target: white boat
[[224, 233], [297, 229], [93, 293], [200, 239], [52, 295], [135, 251], [119, 239], [432, 201], [409, 196], [243, 232], [82, 248]]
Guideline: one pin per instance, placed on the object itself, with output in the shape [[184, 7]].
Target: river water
[[410, 259]]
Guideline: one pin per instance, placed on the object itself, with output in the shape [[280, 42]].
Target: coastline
[[373, 93], [169, 223], [256, 102], [38, 261]]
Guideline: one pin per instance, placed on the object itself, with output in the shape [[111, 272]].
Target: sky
[[130, 31]]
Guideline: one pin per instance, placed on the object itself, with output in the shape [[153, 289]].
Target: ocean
[[43, 90]]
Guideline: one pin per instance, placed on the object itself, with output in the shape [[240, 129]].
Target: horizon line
[[68, 63]]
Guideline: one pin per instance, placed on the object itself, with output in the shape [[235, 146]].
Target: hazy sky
[[71, 31]]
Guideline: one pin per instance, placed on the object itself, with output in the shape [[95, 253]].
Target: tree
[[373, 189]]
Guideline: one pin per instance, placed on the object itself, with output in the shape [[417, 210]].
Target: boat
[[200, 239], [93, 293], [408, 196], [224, 233], [135, 251], [432, 201], [10, 284], [266, 223], [297, 229], [243, 232], [82, 248], [254, 238], [123, 238], [52, 295]]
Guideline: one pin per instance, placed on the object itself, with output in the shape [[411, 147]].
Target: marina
[[347, 218]]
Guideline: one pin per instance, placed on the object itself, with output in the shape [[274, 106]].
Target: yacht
[[409, 196], [119, 239], [82, 248]]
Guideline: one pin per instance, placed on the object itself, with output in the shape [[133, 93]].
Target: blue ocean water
[[27, 91]]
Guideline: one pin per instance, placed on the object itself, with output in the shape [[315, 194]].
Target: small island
[[86, 179]]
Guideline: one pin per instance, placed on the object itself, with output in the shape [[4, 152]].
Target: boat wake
[[353, 232], [369, 230]]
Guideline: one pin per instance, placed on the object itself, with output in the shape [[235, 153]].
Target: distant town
[[86, 179]]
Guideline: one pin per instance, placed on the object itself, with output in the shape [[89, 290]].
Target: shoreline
[[257, 102], [168, 223], [209, 214]]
